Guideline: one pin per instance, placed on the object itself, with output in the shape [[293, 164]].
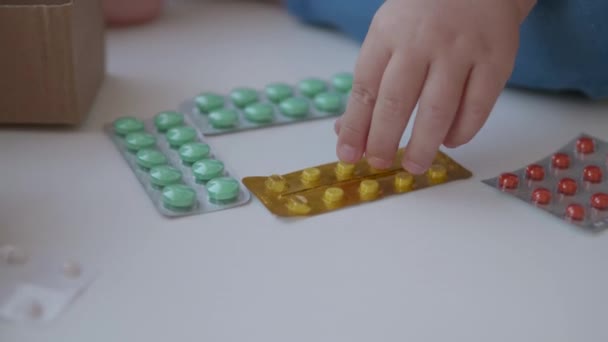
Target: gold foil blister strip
[[337, 185]]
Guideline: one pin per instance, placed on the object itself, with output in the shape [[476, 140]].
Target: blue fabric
[[564, 43]]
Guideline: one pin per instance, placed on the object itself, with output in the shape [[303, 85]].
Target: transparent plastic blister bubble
[[176, 166], [38, 288], [277, 104], [333, 186], [569, 184]]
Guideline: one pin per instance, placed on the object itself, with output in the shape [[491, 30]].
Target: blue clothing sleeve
[[563, 43], [349, 16]]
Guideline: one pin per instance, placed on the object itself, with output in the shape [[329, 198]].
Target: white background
[[458, 262]]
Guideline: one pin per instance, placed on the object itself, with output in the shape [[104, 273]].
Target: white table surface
[[458, 262]]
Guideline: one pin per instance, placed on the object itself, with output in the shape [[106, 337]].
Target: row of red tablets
[[565, 187], [592, 174], [576, 212]]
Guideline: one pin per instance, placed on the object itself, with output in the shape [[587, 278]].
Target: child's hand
[[453, 56]]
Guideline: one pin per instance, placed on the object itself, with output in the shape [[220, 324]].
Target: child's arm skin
[[453, 57]]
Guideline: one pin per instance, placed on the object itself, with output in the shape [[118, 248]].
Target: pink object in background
[[121, 12]]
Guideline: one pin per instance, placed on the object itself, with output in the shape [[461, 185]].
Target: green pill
[[222, 189], [193, 152], [207, 169], [278, 92], [328, 102], [165, 175], [259, 112], [224, 118], [208, 102], [312, 86], [149, 158], [177, 136], [128, 124], [166, 120], [242, 97], [179, 196], [343, 82], [295, 107], [138, 140]]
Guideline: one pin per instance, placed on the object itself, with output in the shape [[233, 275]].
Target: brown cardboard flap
[[52, 59], [89, 51]]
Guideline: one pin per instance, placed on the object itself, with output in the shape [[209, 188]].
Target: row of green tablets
[[175, 165], [278, 104]]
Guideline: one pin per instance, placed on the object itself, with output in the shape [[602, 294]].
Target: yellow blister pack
[[332, 186]]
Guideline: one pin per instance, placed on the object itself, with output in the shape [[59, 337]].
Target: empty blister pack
[[569, 184], [37, 288], [333, 186], [278, 104], [178, 169]]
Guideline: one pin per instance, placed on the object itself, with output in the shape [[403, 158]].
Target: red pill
[[575, 212], [592, 174], [599, 201], [561, 161], [535, 172], [541, 196], [585, 145], [508, 181], [567, 186]]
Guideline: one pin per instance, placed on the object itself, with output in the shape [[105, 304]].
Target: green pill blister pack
[[277, 104], [176, 166]]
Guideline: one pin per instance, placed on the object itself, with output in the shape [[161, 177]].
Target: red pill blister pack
[[571, 184]]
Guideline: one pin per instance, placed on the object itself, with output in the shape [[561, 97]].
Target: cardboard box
[[52, 60]]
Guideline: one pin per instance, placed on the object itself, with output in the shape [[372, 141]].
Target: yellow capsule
[[441, 158], [437, 173], [276, 183], [310, 175], [298, 205], [344, 170], [333, 195], [369, 189], [374, 170], [378, 170], [404, 182]]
